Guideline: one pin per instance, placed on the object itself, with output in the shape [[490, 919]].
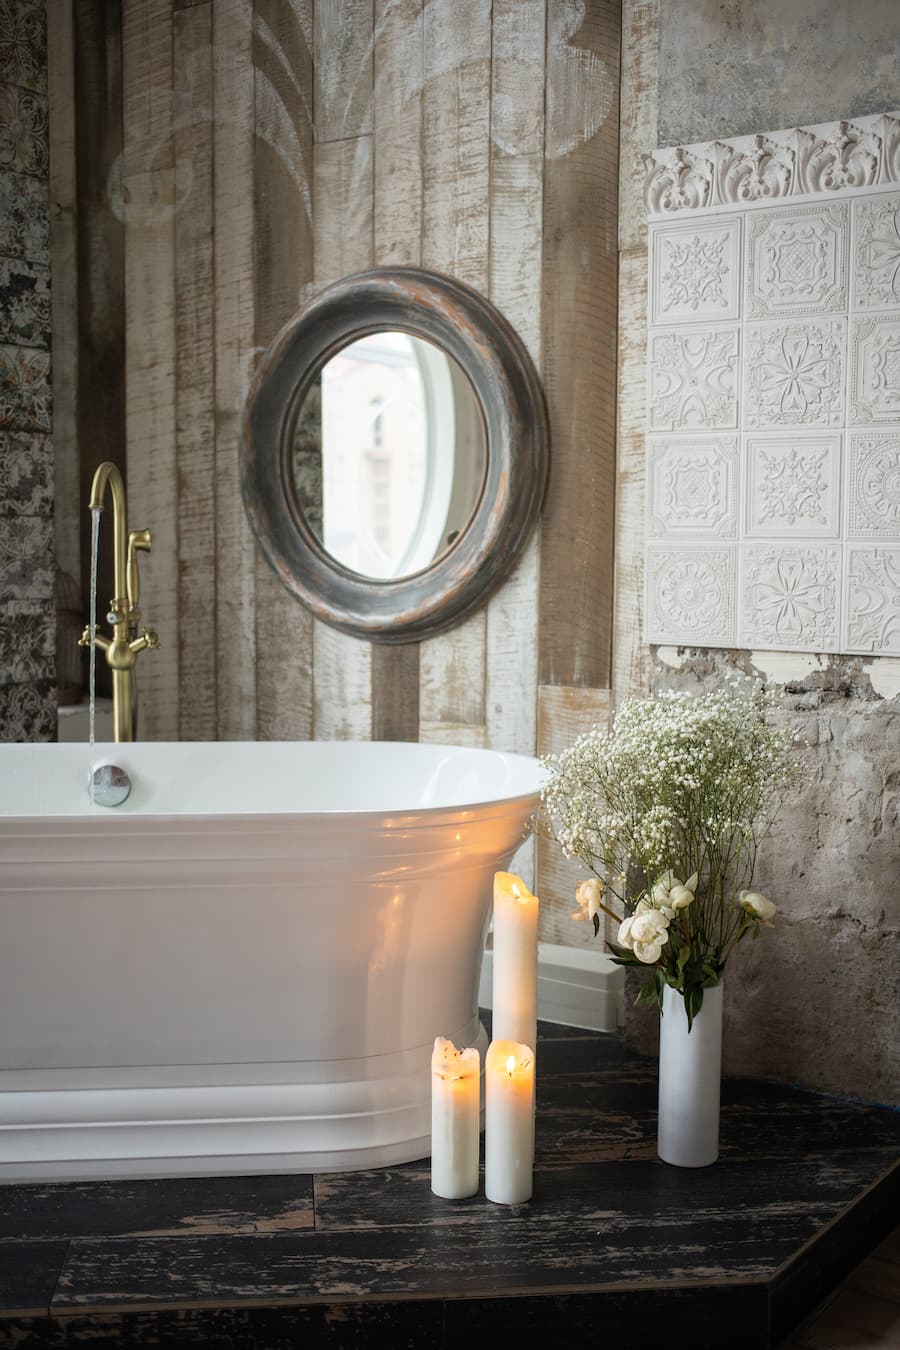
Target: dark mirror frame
[[466, 326]]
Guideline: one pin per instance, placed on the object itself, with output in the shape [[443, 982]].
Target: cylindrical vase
[[690, 1075]]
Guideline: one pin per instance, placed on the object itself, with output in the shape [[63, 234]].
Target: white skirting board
[[577, 987]]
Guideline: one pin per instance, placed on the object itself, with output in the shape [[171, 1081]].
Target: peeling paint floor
[[805, 1186]]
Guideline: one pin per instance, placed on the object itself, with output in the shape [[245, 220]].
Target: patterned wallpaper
[[773, 446], [27, 609]]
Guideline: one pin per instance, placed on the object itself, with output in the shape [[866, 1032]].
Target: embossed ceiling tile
[[795, 373], [690, 595], [876, 252], [692, 487], [875, 370], [797, 260], [872, 603], [693, 379], [793, 485], [873, 484], [789, 596], [695, 271]]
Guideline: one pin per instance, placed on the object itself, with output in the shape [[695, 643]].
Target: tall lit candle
[[508, 1122], [514, 1008], [455, 1119]]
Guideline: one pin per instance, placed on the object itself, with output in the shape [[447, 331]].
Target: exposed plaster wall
[[732, 68], [817, 1000]]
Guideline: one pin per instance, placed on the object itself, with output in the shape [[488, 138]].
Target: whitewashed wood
[[148, 185], [234, 355], [631, 654], [342, 669], [456, 175], [283, 81], [640, 44], [579, 321], [343, 60], [398, 73], [563, 714], [67, 504], [511, 662], [451, 733], [195, 372]]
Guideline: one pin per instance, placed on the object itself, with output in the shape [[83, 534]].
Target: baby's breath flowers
[[683, 786]]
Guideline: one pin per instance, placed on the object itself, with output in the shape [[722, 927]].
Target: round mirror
[[389, 455], [395, 453]]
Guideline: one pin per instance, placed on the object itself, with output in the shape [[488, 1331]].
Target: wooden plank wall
[[271, 147]]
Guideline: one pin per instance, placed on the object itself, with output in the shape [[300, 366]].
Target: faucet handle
[[137, 539], [146, 638]]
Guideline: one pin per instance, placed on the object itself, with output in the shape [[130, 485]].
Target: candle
[[515, 960], [455, 1120], [509, 1122]]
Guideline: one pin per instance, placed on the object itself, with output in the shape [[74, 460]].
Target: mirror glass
[[388, 455]]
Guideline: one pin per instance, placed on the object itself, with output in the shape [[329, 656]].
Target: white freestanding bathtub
[[243, 967]]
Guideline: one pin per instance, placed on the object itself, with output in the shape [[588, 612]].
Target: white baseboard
[[577, 987]]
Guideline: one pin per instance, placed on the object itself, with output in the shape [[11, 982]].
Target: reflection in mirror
[[389, 455]]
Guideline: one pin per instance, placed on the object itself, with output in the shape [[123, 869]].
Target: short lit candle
[[455, 1119], [514, 1008], [508, 1122]]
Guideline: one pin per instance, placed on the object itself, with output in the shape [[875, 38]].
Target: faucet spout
[[121, 650]]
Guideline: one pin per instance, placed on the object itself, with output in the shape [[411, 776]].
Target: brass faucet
[[122, 648]]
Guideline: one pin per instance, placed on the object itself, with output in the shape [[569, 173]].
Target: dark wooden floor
[[730, 1257]]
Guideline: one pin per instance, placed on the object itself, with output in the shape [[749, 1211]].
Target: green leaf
[[596, 924]]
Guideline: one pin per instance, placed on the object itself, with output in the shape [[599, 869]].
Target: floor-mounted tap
[[122, 648]]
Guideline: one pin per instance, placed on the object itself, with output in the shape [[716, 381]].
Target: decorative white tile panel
[[875, 370], [790, 596], [876, 252], [873, 601], [797, 261], [690, 595], [692, 487], [773, 390], [873, 484], [694, 379], [696, 272], [795, 373], [793, 485]]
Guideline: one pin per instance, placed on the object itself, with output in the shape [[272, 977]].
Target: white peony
[[587, 896], [758, 907]]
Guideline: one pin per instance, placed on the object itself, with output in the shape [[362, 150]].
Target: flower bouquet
[[668, 811]]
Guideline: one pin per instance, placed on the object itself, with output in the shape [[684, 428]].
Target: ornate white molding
[[798, 162]]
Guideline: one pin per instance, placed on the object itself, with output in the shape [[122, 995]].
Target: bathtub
[[243, 967]]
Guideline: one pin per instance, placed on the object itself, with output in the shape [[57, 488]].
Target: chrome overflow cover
[[109, 785]]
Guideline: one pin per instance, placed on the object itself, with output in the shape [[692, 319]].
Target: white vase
[[690, 1073]]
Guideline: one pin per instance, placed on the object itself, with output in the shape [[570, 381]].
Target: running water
[[92, 679]]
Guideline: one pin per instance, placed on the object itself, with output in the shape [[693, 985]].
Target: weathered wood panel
[[563, 714], [640, 46], [101, 269], [579, 341], [342, 191], [398, 74], [195, 429], [68, 509], [631, 666], [148, 191], [283, 173], [343, 61], [235, 337], [455, 239], [640, 35]]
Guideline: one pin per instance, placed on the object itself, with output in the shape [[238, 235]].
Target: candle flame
[[510, 1063]]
